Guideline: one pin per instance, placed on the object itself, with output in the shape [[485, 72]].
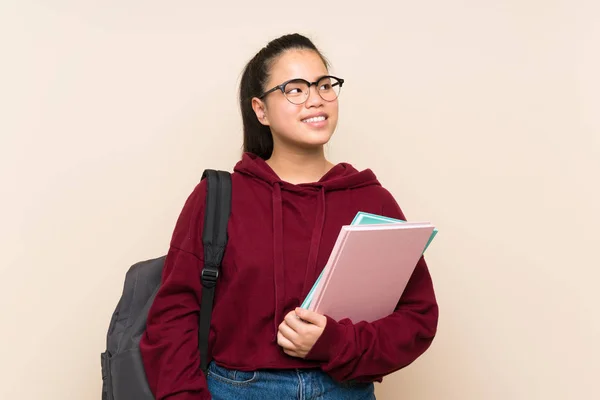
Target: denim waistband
[[301, 384]]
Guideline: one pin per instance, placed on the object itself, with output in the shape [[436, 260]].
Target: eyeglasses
[[297, 90]]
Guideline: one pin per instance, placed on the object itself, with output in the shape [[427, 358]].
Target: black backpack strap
[[214, 239]]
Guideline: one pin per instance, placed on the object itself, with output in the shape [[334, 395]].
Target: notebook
[[361, 218], [368, 270]]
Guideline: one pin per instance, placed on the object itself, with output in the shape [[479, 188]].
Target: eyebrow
[[316, 80]]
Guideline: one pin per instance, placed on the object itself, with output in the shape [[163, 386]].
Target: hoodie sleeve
[[169, 346], [368, 351]]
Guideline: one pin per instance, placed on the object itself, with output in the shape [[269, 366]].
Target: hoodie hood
[[342, 176]]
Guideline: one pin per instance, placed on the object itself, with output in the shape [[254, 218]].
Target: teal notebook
[[362, 218]]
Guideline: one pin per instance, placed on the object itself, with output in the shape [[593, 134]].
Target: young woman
[[289, 203]]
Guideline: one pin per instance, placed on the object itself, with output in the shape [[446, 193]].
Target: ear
[[260, 109]]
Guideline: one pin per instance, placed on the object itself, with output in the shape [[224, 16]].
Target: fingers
[[285, 342], [292, 353], [297, 336], [288, 347], [295, 323], [311, 317], [288, 332]]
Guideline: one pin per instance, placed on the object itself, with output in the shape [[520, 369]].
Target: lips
[[315, 118]]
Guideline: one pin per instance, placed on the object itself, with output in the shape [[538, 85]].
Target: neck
[[299, 166]]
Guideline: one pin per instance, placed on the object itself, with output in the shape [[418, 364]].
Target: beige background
[[481, 116]]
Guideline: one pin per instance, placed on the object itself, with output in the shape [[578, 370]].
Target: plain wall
[[480, 116]]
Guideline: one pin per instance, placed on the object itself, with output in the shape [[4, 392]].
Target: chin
[[317, 140], [308, 139], [317, 136], [312, 143]]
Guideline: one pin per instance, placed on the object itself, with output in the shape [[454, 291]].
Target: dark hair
[[257, 137]]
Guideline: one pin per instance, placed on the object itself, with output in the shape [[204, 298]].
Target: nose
[[314, 98]]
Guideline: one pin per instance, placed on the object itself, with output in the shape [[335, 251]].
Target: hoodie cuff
[[327, 345]]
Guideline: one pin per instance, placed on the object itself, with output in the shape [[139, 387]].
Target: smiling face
[[306, 126]]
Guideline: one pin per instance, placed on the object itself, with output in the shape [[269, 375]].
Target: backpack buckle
[[209, 277]]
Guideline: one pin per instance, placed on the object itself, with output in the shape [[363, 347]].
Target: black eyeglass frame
[[282, 86]]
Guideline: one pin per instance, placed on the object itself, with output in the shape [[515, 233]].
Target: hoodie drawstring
[[278, 270], [315, 243]]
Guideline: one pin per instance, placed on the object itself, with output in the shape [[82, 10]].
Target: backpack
[[123, 375]]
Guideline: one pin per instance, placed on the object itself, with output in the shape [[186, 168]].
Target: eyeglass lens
[[297, 91]]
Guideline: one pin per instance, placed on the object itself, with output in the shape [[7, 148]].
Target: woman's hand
[[299, 331]]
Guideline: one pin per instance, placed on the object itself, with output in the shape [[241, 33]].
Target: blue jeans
[[295, 384]]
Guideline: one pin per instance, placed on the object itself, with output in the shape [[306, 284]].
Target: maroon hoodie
[[280, 237]]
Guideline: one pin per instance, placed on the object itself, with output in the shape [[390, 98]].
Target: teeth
[[314, 119]]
